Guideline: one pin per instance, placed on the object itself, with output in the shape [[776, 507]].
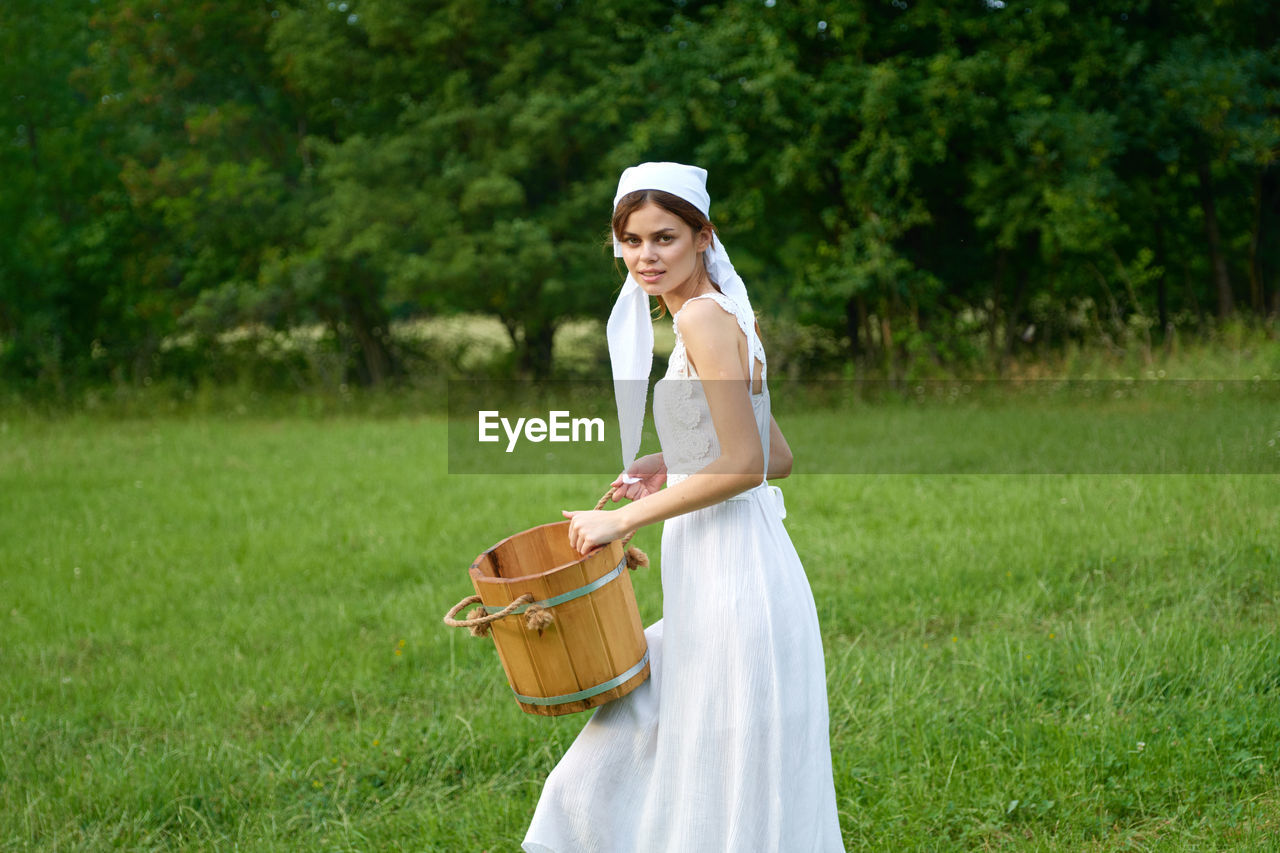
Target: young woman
[[725, 747]]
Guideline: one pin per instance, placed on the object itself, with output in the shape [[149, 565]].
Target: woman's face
[[661, 251]]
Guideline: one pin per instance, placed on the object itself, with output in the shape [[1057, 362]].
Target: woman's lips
[[650, 276]]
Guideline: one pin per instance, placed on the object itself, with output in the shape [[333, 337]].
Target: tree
[[61, 206], [473, 170]]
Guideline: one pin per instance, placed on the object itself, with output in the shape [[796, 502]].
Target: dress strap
[[755, 347]]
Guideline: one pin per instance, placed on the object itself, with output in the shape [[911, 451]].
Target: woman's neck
[[677, 298]]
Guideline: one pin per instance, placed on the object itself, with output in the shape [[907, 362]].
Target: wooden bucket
[[590, 650]]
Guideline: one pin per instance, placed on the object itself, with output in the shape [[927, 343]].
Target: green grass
[[223, 632]]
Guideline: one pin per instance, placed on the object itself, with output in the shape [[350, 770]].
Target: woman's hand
[[652, 471], [592, 528]]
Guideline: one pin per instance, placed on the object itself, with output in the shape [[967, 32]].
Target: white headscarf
[[630, 330]]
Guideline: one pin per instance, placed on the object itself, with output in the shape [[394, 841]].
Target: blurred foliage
[[908, 188]]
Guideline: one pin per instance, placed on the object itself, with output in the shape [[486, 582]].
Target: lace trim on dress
[[746, 324], [694, 446], [691, 442]]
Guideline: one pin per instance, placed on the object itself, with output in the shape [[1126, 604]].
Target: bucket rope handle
[[479, 620], [635, 557], [537, 617]]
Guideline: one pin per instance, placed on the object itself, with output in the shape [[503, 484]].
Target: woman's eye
[[666, 238]]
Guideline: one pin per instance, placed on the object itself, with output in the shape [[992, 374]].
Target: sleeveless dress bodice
[[680, 409]]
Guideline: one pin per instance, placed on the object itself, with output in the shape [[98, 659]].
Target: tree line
[[913, 176]]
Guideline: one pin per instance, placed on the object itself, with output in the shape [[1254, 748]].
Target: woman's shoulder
[[706, 314], [717, 309], [704, 307], [710, 337]]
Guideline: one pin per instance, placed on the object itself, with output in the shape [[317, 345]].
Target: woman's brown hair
[[673, 204]]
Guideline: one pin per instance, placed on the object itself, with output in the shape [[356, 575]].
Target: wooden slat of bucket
[[610, 617], [531, 662], [553, 651], [538, 553], [515, 656], [584, 636], [616, 606], [508, 570]]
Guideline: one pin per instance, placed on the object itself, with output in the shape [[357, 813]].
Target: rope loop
[[604, 499], [637, 559], [479, 620], [538, 618]]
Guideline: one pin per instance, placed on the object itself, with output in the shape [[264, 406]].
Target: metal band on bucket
[[566, 596], [590, 691]]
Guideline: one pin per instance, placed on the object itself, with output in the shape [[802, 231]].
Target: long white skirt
[[726, 746]]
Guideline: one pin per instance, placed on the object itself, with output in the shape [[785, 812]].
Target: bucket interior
[[531, 552]]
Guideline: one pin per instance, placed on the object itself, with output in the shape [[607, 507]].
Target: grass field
[[224, 633]]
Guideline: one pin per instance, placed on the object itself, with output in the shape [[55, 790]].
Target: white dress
[[726, 746]]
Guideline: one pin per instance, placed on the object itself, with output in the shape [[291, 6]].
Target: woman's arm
[[651, 471], [711, 340], [779, 452]]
